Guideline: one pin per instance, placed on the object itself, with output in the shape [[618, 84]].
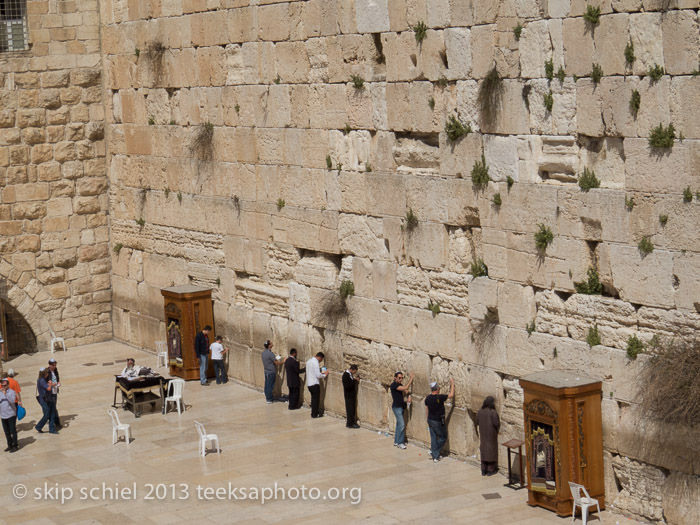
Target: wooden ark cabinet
[[188, 309], [563, 438]]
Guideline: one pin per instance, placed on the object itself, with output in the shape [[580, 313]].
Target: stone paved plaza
[[260, 445]]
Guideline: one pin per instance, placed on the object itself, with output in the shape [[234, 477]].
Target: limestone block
[[646, 34], [413, 286], [501, 157], [432, 56], [427, 245], [647, 171], [245, 255], [372, 16], [483, 296], [679, 491], [458, 49], [362, 236], [683, 114], [483, 382], [318, 271], [668, 323], [434, 334], [611, 34], [558, 8], [516, 304], [681, 38], [482, 47], [450, 291], [417, 154], [535, 49], [457, 158], [645, 280], [551, 311], [618, 118], [687, 269], [578, 47]]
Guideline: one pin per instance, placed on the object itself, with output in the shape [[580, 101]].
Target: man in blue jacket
[[201, 349]]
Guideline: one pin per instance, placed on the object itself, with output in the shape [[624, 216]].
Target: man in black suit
[[291, 365], [350, 382]]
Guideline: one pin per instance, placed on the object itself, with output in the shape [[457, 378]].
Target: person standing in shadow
[[291, 366], [488, 425]]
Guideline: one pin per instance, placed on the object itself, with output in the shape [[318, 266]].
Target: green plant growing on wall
[[629, 203], [411, 220], [151, 121], [592, 285], [629, 53], [530, 327], [420, 31], [118, 247], [218, 281], [489, 98], [202, 145], [434, 307], [329, 162], [455, 129], [549, 69], [687, 195], [280, 204], [592, 15], [634, 347], [179, 196], [543, 237], [431, 103], [477, 268], [645, 246], [140, 222], [509, 182], [497, 201], [155, 51], [347, 289], [137, 52], [635, 102], [656, 72], [593, 338], [347, 129], [596, 73], [480, 173], [172, 121], [357, 81], [662, 137], [561, 74], [517, 31], [442, 82], [368, 168], [663, 219], [588, 180], [339, 167], [277, 79], [548, 101]]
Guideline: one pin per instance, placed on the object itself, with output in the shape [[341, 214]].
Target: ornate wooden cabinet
[[188, 309], [563, 438]]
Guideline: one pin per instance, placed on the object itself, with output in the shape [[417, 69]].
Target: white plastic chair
[[117, 427], [55, 340], [204, 437], [175, 388], [161, 353], [583, 502]]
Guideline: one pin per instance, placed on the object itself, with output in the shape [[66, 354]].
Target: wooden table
[[138, 392], [513, 444]]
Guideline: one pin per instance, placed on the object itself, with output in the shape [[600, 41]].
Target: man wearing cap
[[270, 364], [14, 385], [56, 380], [131, 371], [435, 410], [47, 400], [8, 414]]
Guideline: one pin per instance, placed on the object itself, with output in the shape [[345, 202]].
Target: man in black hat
[[293, 370], [350, 382]]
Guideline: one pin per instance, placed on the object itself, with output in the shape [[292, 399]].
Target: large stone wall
[[54, 235], [309, 180]]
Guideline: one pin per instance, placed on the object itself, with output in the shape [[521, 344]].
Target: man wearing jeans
[[398, 405], [435, 410], [270, 364], [201, 350]]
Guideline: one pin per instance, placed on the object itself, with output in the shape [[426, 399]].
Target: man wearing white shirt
[[217, 358], [313, 375], [131, 371]]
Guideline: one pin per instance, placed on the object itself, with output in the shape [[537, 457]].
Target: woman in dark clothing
[[488, 425]]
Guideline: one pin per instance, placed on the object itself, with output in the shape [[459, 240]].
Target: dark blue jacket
[[201, 344]]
